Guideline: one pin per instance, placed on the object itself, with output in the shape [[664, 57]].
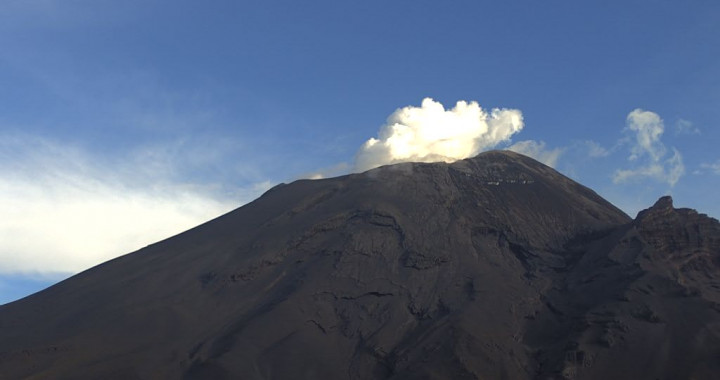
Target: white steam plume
[[430, 133]]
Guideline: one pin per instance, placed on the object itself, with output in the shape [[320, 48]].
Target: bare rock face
[[686, 236], [641, 302], [492, 267]]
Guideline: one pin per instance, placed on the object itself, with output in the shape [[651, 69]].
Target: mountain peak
[[663, 207], [677, 231], [495, 266], [664, 203]]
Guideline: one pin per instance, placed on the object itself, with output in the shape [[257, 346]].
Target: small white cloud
[[648, 153], [431, 133], [686, 127], [538, 151], [648, 127]]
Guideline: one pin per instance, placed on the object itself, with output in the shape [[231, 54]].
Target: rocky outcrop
[[680, 233]]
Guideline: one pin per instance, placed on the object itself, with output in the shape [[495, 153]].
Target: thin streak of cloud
[[327, 172], [713, 167], [538, 151], [595, 150], [686, 127]]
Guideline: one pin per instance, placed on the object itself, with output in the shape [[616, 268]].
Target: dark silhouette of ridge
[[494, 267]]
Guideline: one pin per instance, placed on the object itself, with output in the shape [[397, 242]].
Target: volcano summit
[[494, 267]]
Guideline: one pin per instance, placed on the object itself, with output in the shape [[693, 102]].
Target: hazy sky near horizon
[[123, 123]]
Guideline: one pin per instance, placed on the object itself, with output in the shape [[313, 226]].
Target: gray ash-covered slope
[[488, 268]]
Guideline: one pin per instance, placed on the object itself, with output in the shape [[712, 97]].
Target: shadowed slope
[[491, 267]]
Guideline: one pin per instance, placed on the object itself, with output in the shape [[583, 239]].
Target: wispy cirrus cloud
[[593, 149], [65, 209], [713, 167], [686, 127], [538, 150]]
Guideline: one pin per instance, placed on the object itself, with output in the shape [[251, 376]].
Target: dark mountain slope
[[634, 308], [491, 267]]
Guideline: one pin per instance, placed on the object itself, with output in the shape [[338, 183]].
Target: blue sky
[[122, 123]]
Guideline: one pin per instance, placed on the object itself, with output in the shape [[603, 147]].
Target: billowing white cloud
[[63, 211], [431, 133], [538, 151], [648, 153]]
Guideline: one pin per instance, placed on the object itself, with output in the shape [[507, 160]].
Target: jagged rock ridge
[[491, 267]]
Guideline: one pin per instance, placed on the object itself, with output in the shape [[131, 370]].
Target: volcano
[[494, 267]]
